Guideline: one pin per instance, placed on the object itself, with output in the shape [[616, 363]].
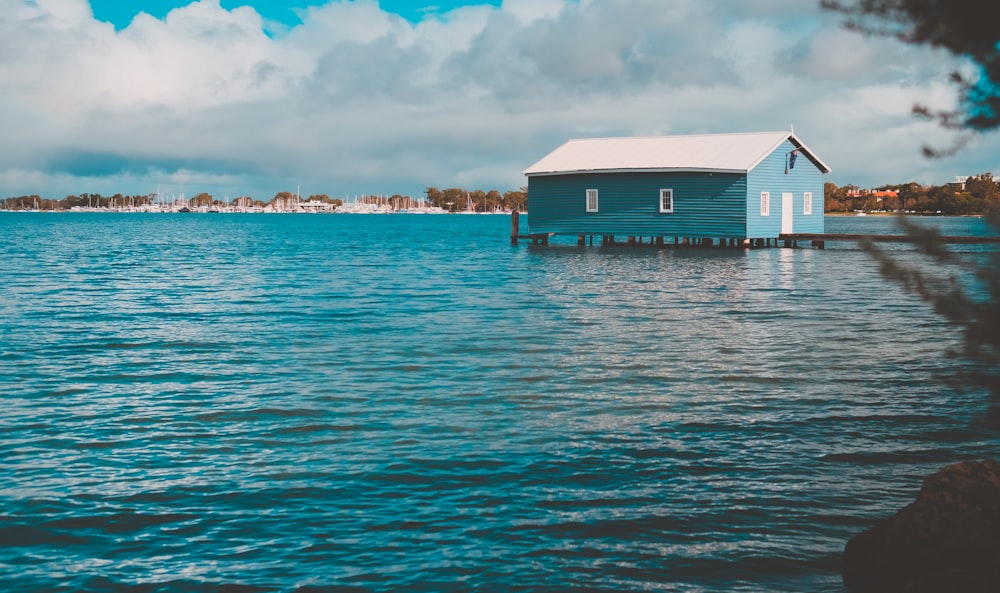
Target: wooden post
[[581, 240], [515, 223]]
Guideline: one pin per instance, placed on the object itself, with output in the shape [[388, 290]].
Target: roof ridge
[[704, 135]]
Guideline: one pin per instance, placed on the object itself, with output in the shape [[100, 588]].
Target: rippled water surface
[[314, 403]]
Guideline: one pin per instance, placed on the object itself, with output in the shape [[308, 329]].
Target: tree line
[[451, 199], [456, 199], [979, 194]]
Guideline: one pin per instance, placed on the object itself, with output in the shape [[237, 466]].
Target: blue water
[[319, 403]]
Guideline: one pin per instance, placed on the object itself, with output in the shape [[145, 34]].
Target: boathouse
[[730, 187]]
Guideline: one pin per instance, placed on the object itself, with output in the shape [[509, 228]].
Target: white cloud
[[356, 99]]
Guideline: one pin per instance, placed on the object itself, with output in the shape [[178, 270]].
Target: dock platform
[[788, 240], [819, 239]]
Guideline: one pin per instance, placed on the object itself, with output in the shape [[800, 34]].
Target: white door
[[787, 213]]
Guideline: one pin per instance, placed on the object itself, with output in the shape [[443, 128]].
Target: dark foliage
[[966, 28], [939, 285]]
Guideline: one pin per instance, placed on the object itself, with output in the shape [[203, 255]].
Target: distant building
[[960, 180], [726, 186]]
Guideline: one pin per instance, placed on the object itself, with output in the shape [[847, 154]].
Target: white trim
[[823, 167], [591, 200], [659, 170], [807, 203], [663, 194], [787, 212], [765, 203]]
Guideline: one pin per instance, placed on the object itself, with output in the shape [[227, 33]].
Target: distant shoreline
[[921, 215], [404, 211]]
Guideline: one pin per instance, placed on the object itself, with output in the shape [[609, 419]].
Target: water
[[310, 403]]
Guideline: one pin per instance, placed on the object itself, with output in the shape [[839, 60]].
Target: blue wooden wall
[[705, 205], [770, 176]]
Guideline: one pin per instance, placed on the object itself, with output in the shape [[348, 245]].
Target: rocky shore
[[948, 540]]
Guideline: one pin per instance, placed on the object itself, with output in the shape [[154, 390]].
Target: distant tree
[[516, 200], [909, 193], [75, 201], [454, 199], [494, 200], [939, 198], [959, 26], [983, 188], [284, 199], [400, 202], [434, 197], [830, 201], [202, 199], [478, 199]]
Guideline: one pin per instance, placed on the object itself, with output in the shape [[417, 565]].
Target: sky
[[350, 97]]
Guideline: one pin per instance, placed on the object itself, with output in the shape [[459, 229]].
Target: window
[[591, 200], [765, 203], [807, 203], [666, 200]]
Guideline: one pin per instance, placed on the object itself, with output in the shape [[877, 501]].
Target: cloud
[[356, 99]]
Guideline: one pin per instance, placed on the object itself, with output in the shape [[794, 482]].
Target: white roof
[[729, 153]]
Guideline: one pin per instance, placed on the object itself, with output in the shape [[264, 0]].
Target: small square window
[[765, 203], [807, 203], [591, 200], [666, 200]]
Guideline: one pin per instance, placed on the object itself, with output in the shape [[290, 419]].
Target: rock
[[947, 540]]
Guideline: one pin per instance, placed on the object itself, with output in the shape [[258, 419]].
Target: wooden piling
[[515, 223]]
